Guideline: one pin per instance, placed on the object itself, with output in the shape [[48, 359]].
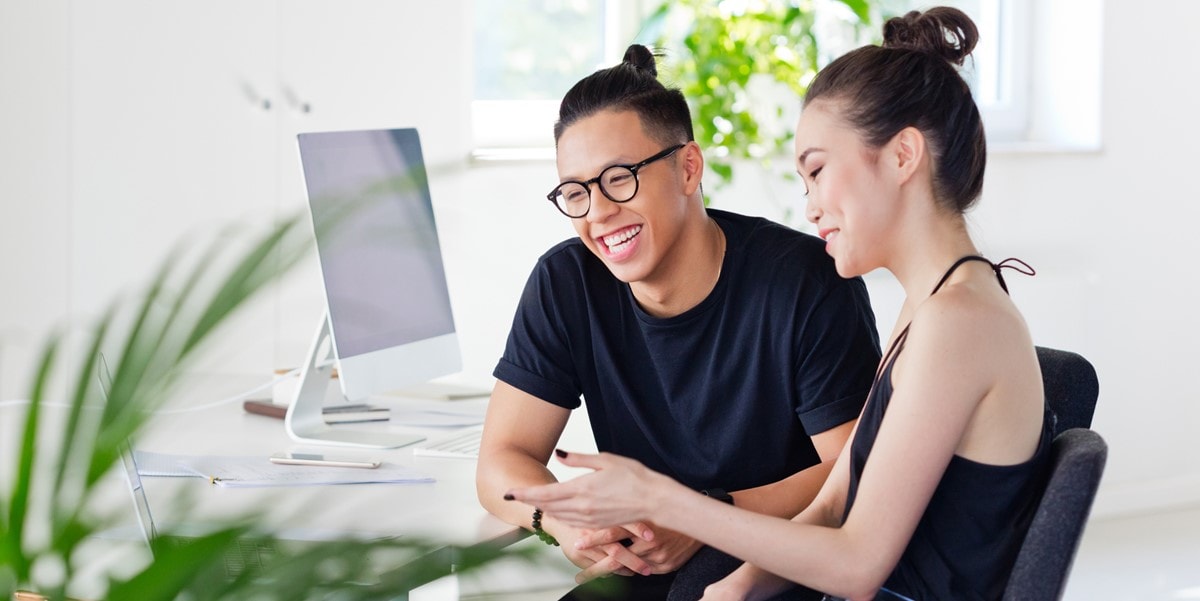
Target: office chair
[[1071, 388], [1044, 561]]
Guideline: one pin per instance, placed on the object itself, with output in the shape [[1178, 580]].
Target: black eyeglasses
[[619, 183]]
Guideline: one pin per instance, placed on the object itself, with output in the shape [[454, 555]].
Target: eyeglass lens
[[618, 183]]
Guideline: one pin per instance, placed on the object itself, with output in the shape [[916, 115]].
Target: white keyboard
[[463, 444]]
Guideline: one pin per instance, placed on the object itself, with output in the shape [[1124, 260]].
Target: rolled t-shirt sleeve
[[837, 357], [537, 357]]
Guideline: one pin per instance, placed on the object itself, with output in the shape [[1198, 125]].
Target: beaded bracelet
[[542, 535]]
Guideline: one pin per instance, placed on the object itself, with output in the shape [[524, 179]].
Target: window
[[528, 53], [998, 69], [535, 49], [1051, 103]]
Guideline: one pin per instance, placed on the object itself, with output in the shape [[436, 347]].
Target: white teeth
[[615, 241]]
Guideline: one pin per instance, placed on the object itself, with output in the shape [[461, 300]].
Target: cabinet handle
[[256, 99], [294, 102]]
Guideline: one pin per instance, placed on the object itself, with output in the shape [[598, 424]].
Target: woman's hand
[[620, 491]]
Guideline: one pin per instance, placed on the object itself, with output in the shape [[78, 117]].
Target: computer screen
[[381, 264]]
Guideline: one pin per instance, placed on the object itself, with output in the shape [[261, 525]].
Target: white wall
[[1114, 235], [1111, 232], [34, 187]]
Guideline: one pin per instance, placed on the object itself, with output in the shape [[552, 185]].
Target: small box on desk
[[336, 409], [334, 414]]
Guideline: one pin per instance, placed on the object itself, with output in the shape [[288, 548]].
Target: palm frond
[[180, 309]]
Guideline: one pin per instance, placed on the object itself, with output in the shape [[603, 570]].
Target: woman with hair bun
[[934, 492]]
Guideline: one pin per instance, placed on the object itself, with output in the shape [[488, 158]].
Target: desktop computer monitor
[[389, 323]]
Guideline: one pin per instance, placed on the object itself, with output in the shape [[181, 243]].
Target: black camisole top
[[967, 540]]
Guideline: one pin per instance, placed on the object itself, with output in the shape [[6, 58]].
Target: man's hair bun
[[640, 56]]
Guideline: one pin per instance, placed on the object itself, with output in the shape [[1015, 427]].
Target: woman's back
[[968, 536]]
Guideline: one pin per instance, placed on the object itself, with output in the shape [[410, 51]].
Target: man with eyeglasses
[[720, 349]]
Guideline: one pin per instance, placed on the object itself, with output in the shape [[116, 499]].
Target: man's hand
[[664, 550], [597, 560]]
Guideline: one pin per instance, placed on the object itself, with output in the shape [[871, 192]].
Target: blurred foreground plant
[[48, 494]]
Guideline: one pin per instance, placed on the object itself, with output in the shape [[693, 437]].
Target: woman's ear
[[909, 150], [693, 167]]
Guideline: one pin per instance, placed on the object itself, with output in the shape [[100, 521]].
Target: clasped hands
[[608, 518], [619, 551]]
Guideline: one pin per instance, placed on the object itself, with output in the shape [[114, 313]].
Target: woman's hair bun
[[640, 56], [943, 31]]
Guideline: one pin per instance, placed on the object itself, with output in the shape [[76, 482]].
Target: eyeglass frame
[[587, 185]]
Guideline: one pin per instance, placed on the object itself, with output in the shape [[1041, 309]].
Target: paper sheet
[[257, 471]]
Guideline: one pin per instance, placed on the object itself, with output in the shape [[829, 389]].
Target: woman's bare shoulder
[[970, 348], [970, 331], [970, 313]]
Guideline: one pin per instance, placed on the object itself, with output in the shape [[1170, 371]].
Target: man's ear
[[909, 150], [693, 167]]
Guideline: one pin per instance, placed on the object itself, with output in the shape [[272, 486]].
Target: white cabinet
[[34, 184], [173, 135], [183, 117]]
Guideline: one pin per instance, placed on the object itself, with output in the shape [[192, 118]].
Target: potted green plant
[[744, 65]]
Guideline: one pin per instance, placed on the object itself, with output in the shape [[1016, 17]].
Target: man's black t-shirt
[[724, 395]]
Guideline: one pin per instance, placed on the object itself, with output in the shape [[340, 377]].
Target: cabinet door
[[173, 136], [34, 189]]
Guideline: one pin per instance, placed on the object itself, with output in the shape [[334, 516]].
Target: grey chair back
[[1044, 561], [1071, 388]]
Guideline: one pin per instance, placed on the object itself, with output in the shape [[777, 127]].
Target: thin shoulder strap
[[1020, 267], [893, 350], [1009, 263]]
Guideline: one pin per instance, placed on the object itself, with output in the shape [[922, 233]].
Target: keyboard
[[463, 444]]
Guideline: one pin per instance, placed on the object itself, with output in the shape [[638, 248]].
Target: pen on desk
[[213, 479]]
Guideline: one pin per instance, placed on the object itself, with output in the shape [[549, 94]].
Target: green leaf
[[83, 384], [160, 335], [175, 567], [861, 8], [19, 502], [725, 51], [245, 278], [722, 169]]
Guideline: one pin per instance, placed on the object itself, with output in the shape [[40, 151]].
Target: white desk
[[447, 510]]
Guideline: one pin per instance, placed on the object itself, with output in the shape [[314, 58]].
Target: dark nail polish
[[508, 496], [560, 452]]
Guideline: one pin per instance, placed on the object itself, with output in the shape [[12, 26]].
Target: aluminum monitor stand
[[305, 421]]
